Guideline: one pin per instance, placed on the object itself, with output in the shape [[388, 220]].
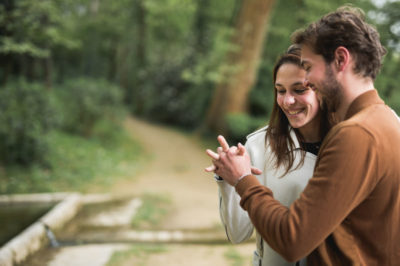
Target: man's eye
[[280, 91], [307, 68]]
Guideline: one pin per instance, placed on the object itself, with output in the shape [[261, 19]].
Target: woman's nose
[[289, 99]]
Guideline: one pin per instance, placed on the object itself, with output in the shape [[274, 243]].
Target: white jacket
[[286, 189]]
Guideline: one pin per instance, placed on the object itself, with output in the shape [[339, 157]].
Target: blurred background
[[72, 71]]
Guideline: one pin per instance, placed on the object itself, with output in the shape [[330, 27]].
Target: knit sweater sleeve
[[345, 174]]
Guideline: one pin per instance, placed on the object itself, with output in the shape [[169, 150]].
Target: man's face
[[321, 78]]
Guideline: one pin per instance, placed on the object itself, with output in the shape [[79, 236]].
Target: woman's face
[[300, 104]]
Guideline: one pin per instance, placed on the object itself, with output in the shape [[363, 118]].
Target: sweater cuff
[[218, 178], [246, 182]]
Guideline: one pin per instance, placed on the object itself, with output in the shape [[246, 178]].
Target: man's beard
[[330, 91]]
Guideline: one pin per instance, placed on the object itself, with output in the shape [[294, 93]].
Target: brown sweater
[[349, 213]]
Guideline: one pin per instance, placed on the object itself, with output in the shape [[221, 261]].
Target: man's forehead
[[306, 51], [308, 55]]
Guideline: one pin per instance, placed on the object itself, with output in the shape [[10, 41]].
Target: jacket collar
[[363, 101], [294, 138]]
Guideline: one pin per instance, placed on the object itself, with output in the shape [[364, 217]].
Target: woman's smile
[[294, 112]]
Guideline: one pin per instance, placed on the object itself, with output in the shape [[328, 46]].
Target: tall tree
[[29, 33], [136, 96], [232, 93]]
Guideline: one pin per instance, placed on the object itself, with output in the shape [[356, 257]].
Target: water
[[14, 218], [53, 241]]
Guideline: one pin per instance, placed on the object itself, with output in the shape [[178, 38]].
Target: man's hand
[[231, 163]]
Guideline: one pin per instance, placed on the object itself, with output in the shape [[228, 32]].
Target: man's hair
[[345, 27]]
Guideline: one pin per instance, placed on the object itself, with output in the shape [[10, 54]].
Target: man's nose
[[307, 84]]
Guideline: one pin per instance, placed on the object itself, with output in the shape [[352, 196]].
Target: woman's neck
[[311, 132], [310, 136]]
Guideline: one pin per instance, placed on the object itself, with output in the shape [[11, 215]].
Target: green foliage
[[76, 163], [234, 257], [137, 253], [26, 116], [168, 56], [183, 87], [85, 102], [387, 19], [10, 46], [33, 28], [211, 67], [241, 124]]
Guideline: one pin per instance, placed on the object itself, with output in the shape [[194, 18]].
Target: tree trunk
[[142, 32], [232, 94], [201, 39], [48, 71], [112, 61], [136, 96], [94, 7]]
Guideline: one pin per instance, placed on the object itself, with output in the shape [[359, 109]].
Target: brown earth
[[173, 166], [176, 167]]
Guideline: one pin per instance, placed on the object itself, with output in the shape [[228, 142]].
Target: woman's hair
[[278, 131]]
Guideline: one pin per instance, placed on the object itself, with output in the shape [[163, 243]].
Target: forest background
[[72, 70]]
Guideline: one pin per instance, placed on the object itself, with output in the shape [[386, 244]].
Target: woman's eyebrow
[[291, 85], [297, 83]]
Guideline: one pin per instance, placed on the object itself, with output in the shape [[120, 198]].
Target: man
[[349, 213]]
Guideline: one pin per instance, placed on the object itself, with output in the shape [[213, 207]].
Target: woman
[[286, 151]]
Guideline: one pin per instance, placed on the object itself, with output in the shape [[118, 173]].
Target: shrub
[[84, 102], [241, 124], [26, 115]]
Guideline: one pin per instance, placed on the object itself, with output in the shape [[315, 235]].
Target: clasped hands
[[231, 163]]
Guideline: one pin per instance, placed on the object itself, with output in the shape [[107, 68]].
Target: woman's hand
[[231, 163]]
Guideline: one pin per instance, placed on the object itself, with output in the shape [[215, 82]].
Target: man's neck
[[351, 90]]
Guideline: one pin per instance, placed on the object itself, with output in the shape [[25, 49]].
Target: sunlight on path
[[175, 168]]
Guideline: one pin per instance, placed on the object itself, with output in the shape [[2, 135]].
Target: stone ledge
[[32, 198], [34, 237], [162, 236]]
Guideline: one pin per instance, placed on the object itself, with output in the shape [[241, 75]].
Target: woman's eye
[[300, 90], [281, 91]]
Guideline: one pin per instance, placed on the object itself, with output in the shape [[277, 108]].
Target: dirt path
[[175, 168]]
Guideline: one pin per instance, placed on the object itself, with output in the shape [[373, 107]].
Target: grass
[[154, 208], [234, 257], [137, 253], [76, 163]]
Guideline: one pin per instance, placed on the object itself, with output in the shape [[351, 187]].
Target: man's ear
[[342, 58]]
